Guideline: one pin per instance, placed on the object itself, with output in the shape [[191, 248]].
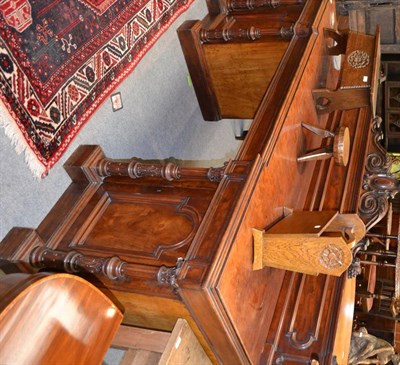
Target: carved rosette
[[379, 184], [73, 262], [331, 257], [358, 59]]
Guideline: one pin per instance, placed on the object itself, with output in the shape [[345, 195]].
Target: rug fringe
[[12, 131]]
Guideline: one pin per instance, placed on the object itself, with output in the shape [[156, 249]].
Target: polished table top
[[54, 318]]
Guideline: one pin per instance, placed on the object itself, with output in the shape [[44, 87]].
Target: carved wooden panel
[[138, 226]]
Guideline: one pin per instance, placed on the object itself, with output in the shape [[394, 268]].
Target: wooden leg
[[319, 154], [339, 151]]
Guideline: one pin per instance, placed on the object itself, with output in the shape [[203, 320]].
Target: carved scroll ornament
[[379, 184]]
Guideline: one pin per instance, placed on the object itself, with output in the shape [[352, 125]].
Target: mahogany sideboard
[[171, 242]]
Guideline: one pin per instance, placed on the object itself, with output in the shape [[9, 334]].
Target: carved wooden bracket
[[379, 184], [215, 174], [73, 262], [168, 275]]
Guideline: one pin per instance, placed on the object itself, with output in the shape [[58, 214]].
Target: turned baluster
[[233, 5], [136, 169], [113, 268], [229, 34], [75, 262]]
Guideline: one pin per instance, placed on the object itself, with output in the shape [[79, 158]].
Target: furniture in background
[[391, 111], [225, 54], [366, 284], [384, 299], [382, 317], [175, 242], [365, 15], [235, 51], [359, 72], [149, 347]]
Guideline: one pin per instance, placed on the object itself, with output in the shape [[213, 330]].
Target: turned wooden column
[[233, 5], [90, 164], [228, 33], [136, 169]]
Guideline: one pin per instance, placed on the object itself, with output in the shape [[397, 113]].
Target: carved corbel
[[215, 174], [168, 275]]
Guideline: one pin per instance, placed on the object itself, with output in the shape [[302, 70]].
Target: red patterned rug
[[59, 60]]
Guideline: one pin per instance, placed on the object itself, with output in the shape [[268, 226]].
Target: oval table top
[[54, 319]]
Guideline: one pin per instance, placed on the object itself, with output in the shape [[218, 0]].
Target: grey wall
[[160, 118]]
